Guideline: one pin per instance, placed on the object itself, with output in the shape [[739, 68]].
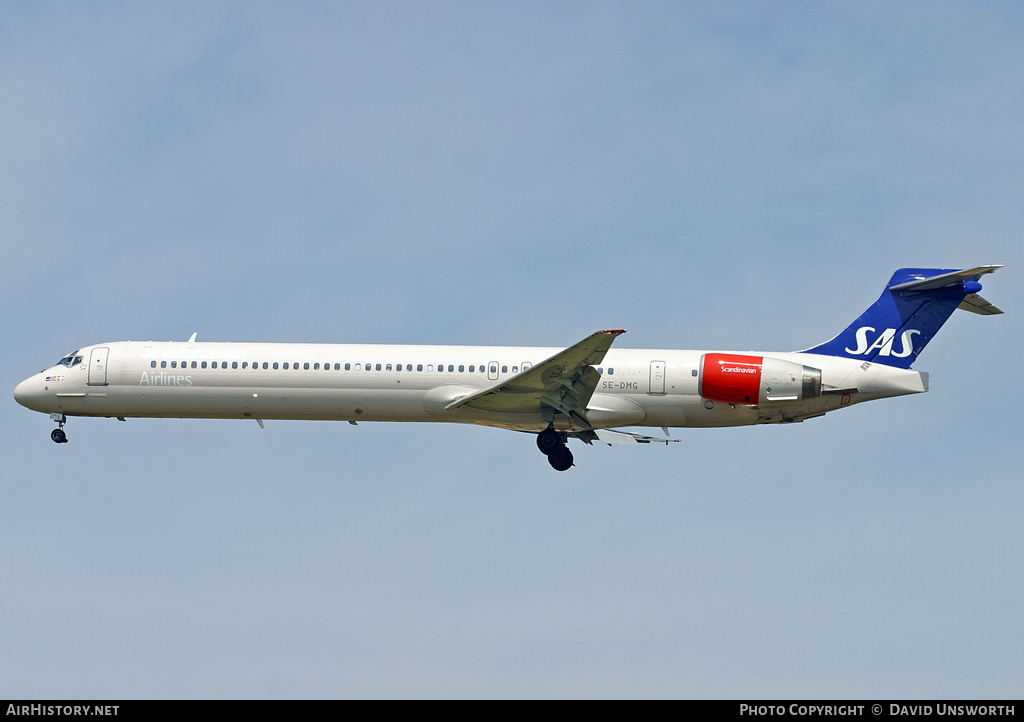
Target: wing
[[625, 437], [565, 382]]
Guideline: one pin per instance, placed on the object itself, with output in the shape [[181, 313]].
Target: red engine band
[[730, 379]]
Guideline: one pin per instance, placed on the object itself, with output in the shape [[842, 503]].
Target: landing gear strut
[[58, 435], [552, 445]]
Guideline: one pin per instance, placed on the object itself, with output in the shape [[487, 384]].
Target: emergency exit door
[[657, 378]]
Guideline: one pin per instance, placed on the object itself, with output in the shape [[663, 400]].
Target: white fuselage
[[657, 388]]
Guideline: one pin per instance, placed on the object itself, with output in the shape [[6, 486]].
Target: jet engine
[[736, 379]]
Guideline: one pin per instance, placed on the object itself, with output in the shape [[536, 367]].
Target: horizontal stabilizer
[[945, 280], [976, 304], [973, 302]]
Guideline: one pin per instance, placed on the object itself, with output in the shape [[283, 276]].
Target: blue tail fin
[[910, 311]]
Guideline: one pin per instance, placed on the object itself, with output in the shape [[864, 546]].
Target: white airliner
[[586, 391]]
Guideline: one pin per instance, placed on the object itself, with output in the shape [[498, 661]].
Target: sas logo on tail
[[884, 342]]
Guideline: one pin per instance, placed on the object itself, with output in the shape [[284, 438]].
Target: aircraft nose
[[30, 393]]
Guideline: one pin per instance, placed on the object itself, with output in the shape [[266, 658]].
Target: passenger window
[[611, 371], [515, 369], [419, 367], [472, 368], [451, 368], [348, 366], [461, 368], [265, 365], [285, 365], [430, 367], [234, 364], [163, 364], [504, 369], [494, 369], [316, 367], [152, 364], [387, 368]]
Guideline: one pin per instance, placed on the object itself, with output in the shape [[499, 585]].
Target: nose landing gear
[[552, 445], [58, 435]]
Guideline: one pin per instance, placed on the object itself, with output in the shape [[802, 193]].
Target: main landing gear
[[58, 435], [552, 445]]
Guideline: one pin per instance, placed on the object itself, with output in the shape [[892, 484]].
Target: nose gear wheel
[[58, 435]]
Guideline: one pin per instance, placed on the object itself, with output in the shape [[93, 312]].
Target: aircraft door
[[657, 378], [98, 366], [492, 371]]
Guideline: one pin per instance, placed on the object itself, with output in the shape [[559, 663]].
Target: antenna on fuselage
[[192, 338]]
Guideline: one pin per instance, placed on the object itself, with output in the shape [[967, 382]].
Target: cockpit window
[[70, 360]]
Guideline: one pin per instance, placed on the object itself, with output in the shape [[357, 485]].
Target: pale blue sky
[[707, 175]]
